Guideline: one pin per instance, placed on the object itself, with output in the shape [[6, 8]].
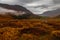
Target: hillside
[[57, 16], [15, 7], [52, 13], [17, 12], [24, 16]]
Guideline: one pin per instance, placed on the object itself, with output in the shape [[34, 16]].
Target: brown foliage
[[29, 29]]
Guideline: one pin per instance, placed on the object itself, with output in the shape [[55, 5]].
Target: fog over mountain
[[15, 9], [36, 6], [52, 13]]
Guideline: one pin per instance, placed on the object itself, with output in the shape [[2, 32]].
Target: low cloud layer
[[36, 6]]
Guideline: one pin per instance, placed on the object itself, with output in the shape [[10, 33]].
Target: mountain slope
[[51, 13], [15, 7], [27, 14]]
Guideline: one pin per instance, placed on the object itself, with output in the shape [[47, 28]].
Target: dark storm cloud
[[17, 1], [27, 1], [56, 1]]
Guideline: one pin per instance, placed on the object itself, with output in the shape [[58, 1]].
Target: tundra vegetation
[[29, 29]]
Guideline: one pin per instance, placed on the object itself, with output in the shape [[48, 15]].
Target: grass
[[29, 29]]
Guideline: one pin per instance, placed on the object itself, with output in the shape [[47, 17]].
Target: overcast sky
[[36, 6]]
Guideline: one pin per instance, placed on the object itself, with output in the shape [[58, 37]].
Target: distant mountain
[[51, 13], [27, 14], [15, 7]]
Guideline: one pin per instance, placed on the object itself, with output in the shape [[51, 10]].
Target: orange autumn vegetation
[[29, 29]]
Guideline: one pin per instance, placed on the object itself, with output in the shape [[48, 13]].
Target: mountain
[[15, 7], [51, 13], [28, 14], [20, 10]]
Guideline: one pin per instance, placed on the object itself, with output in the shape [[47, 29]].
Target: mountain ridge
[[15, 7], [52, 13]]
